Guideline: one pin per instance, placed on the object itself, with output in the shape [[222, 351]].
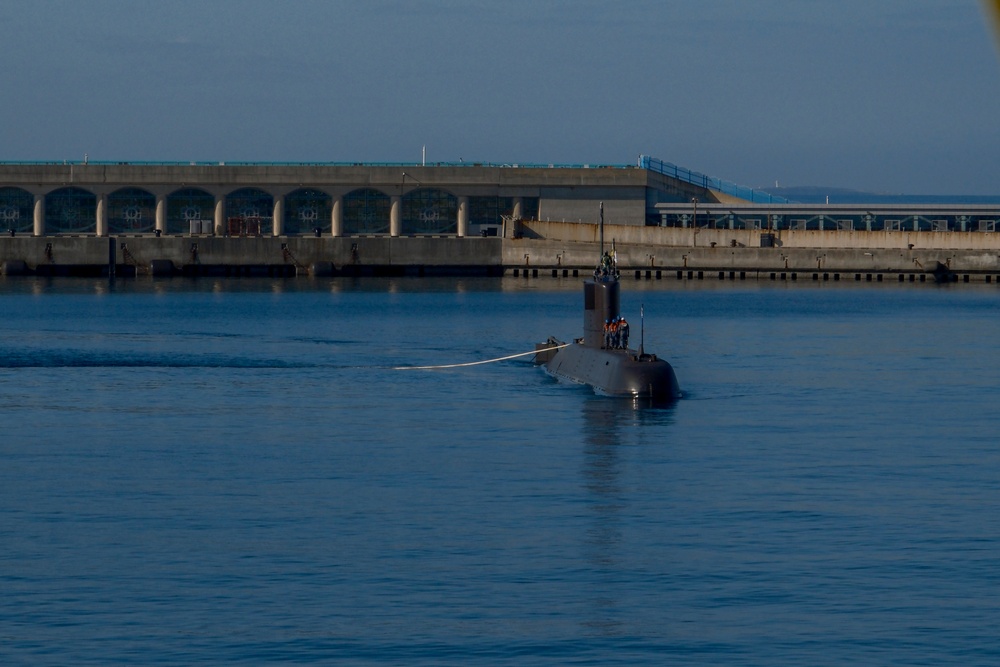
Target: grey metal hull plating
[[615, 372]]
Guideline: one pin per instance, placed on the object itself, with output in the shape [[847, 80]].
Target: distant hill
[[820, 195]]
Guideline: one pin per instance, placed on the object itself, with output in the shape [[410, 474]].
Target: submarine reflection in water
[[595, 360]]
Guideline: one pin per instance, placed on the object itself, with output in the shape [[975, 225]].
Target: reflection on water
[[608, 425]]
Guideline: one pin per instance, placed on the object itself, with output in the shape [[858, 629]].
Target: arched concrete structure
[[337, 217], [71, 210], [463, 216], [16, 210], [568, 193], [190, 210], [131, 211], [396, 216], [306, 210], [429, 211], [39, 215], [366, 211], [249, 212]]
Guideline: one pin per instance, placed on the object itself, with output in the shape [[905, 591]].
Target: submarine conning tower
[[601, 303]]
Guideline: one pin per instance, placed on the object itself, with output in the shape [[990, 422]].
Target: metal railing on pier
[[708, 182]]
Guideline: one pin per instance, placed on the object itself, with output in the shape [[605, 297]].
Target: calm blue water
[[232, 472]]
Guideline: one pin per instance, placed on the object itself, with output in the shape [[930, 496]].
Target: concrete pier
[[477, 219], [274, 256], [284, 199], [527, 256], [694, 253]]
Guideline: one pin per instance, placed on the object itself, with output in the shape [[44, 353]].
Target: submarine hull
[[623, 373]]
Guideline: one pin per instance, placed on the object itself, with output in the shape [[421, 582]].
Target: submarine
[[609, 366]]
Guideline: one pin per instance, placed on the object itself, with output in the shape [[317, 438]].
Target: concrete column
[[39, 215], [337, 217], [463, 216], [161, 214], [102, 215], [279, 217], [396, 216], [220, 216], [515, 217]]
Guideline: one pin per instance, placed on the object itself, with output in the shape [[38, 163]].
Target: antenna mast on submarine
[[642, 330], [602, 230]]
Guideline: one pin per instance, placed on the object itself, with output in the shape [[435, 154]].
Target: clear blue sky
[[898, 96]]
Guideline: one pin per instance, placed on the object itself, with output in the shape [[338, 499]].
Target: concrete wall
[[473, 255], [76, 251], [546, 255], [622, 206], [41, 254], [512, 181], [695, 238], [571, 194]]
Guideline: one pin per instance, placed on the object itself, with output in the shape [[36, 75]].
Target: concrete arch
[[430, 211], [249, 211], [306, 210], [366, 211], [71, 210], [188, 209], [131, 211], [16, 210]]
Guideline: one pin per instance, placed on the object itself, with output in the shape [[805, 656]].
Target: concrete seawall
[[642, 252], [554, 247], [210, 255], [539, 258]]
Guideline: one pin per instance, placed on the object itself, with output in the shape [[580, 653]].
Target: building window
[[430, 211], [131, 211], [307, 210], [366, 211], [17, 210], [190, 210], [249, 212], [529, 208], [70, 211], [489, 210]]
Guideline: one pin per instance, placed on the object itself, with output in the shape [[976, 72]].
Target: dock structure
[[85, 218], [268, 199]]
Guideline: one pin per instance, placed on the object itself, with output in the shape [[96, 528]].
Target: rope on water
[[477, 363]]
